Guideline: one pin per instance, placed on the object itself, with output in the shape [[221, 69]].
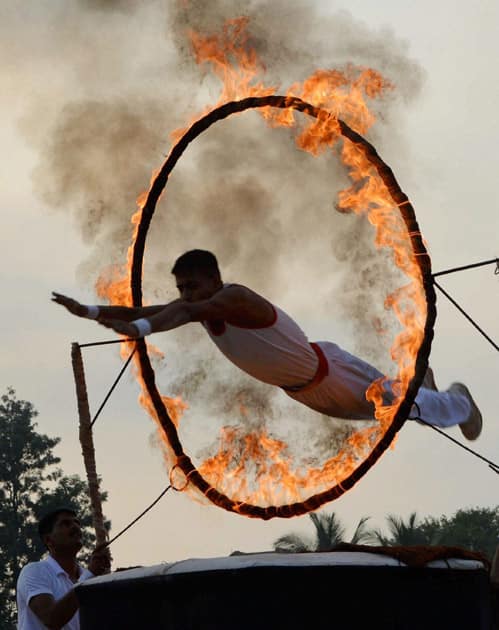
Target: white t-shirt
[[45, 576]]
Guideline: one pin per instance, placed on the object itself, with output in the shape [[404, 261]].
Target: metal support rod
[[472, 266], [87, 444], [104, 343]]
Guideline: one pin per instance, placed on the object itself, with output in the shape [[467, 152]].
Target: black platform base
[[275, 597]]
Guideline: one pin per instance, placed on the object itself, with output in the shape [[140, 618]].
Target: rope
[[492, 261], [143, 513], [122, 371], [103, 545], [463, 312], [492, 465]]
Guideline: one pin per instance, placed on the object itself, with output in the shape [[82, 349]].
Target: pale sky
[[444, 153]]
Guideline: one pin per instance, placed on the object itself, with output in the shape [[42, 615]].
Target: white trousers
[[342, 393]]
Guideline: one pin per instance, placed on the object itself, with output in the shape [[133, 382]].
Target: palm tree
[[403, 532], [329, 533]]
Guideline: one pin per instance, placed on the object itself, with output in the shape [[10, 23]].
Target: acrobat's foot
[[429, 380], [472, 427]]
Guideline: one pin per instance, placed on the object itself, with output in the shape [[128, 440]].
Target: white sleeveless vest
[[279, 354]]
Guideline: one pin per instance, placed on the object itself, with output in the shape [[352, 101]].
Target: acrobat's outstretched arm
[[235, 304], [169, 316], [121, 313]]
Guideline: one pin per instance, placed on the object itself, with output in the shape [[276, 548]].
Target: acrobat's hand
[[121, 327], [72, 306]]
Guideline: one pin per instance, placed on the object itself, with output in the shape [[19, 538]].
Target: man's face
[[66, 534], [195, 286]]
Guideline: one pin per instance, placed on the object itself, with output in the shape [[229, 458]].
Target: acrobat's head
[[197, 275]]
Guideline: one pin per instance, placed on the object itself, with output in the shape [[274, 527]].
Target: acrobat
[[266, 343]]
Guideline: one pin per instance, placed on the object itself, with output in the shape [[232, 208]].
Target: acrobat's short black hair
[[197, 260], [47, 522]]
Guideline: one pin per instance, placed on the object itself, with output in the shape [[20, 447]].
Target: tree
[[476, 529], [30, 485], [329, 533], [406, 532]]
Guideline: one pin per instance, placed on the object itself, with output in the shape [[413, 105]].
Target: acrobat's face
[[195, 286]]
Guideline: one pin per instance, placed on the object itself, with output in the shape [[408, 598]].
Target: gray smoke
[[242, 190], [124, 6], [293, 39]]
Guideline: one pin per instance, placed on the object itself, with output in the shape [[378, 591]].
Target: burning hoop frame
[[421, 257]]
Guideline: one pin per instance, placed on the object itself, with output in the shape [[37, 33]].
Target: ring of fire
[[421, 259]]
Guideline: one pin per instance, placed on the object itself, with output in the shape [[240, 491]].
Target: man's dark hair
[[197, 260], [47, 522]]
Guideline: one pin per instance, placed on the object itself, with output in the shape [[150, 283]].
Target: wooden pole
[[494, 572], [87, 444]]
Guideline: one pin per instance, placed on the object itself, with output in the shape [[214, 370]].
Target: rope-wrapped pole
[[87, 444], [494, 571]]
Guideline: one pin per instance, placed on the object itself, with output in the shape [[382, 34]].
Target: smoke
[[295, 38], [95, 161], [125, 6], [266, 209]]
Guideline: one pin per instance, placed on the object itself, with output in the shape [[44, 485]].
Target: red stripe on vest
[[320, 374]]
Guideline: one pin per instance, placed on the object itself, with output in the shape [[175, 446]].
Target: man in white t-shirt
[[45, 589]]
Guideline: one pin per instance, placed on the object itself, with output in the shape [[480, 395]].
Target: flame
[[232, 60], [256, 467], [113, 285]]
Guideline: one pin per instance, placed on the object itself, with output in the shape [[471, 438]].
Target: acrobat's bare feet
[[472, 427]]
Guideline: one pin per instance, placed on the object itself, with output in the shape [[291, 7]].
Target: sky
[[92, 91]]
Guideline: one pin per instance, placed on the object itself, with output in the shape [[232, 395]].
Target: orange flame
[[255, 467], [113, 285], [232, 59]]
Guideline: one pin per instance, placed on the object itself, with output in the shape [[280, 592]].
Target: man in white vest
[[266, 343]]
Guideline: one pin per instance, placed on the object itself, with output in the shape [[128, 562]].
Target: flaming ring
[[422, 259]]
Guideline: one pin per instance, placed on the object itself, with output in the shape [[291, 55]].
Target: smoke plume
[[243, 190]]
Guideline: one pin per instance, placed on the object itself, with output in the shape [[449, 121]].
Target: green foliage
[[30, 485], [405, 533], [329, 533], [476, 529]]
